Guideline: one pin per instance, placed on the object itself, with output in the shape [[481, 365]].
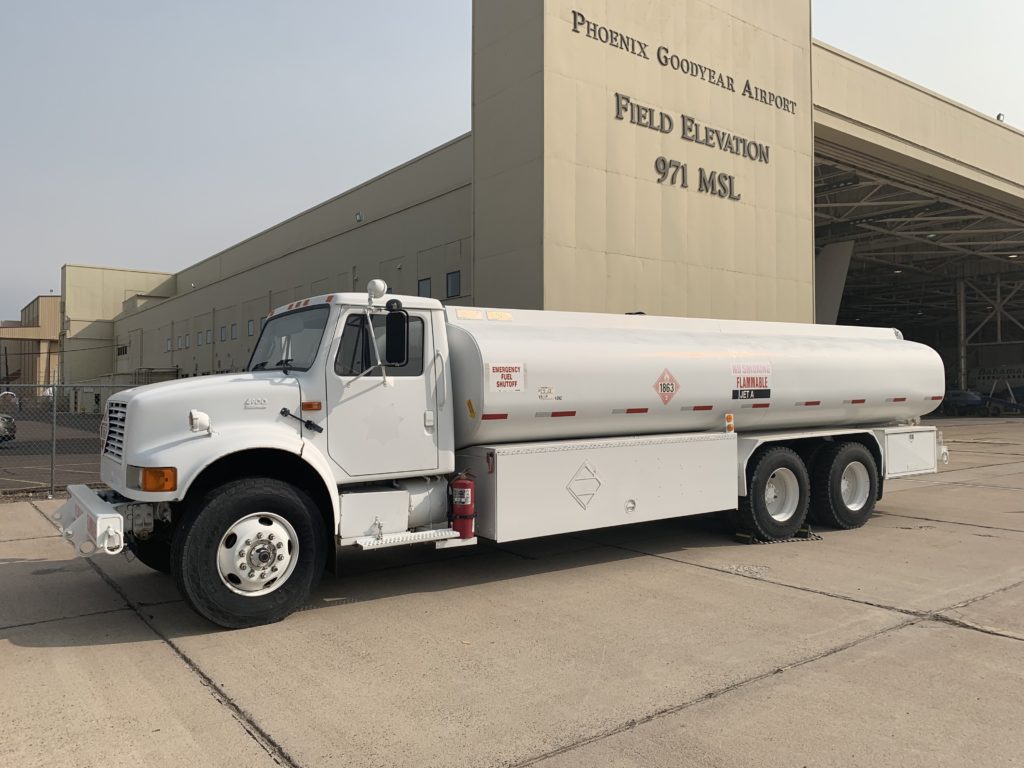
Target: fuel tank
[[522, 375]]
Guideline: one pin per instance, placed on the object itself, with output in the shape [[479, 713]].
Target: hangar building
[[684, 157]]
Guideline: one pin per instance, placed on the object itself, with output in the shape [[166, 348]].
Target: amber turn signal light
[[312, 405], [158, 479]]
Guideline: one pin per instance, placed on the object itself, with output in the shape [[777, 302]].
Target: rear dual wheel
[[845, 486], [777, 499]]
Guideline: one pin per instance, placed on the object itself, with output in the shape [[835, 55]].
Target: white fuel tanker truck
[[374, 420]]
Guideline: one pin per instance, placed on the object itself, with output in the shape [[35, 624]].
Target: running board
[[407, 537]]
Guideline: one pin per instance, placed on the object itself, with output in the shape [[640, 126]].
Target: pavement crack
[[950, 522], [62, 618], [633, 723], [248, 723], [965, 624], [31, 538], [937, 615]]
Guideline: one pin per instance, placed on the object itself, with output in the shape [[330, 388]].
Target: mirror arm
[[376, 352]]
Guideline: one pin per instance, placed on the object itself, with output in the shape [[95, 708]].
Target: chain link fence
[[50, 436]]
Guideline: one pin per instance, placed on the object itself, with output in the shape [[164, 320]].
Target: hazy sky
[[153, 134]]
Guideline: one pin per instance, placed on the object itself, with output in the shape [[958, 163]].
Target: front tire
[[845, 486], [249, 553], [154, 552], [777, 499]]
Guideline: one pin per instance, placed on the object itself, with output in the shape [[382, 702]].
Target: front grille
[[117, 422]]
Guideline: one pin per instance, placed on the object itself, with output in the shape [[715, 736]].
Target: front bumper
[[90, 524]]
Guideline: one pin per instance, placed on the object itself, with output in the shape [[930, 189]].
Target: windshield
[[290, 341]]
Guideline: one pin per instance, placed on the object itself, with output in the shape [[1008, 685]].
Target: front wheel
[[845, 486], [775, 506], [249, 553], [154, 552]]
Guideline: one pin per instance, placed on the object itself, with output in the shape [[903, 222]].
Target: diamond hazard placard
[[666, 386]]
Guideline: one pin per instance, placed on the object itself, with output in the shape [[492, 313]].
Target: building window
[[423, 287], [179, 342], [234, 331], [199, 339], [249, 328], [223, 333], [168, 343], [209, 336], [122, 350], [454, 283], [188, 340]]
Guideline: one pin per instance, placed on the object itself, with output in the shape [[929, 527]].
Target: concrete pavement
[[663, 644]]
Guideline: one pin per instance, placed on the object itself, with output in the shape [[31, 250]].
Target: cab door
[[373, 428]]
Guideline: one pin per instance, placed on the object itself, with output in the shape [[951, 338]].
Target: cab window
[[355, 354]]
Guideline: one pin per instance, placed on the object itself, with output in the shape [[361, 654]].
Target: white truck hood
[[149, 426]]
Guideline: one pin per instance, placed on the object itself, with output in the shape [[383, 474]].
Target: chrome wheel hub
[[257, 554], [782, 495], [855, 486]]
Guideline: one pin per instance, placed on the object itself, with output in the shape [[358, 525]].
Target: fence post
[[53, 439]]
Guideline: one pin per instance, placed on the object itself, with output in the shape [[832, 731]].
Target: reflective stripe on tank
[[855, 402], [629, 411], [757, 405], [553, 414], [896, 400], [808, 403], [698, 408], [493, 416]]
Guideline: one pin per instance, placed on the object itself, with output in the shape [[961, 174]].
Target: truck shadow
[[360, 577]]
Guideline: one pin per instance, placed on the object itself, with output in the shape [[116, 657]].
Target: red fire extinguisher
[[462, 512]]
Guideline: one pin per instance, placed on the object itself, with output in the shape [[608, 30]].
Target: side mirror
[[396, 350]]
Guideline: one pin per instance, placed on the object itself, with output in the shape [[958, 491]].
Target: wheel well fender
[[286, 466], [809, 447]]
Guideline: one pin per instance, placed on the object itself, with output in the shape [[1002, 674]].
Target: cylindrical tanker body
[[521, 375]]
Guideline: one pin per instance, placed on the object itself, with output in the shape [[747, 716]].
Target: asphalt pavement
[[661, 644]]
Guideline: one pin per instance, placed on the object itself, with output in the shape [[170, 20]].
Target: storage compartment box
[[910, 451]]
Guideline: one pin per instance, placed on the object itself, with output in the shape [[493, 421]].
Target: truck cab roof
[[357, 299]]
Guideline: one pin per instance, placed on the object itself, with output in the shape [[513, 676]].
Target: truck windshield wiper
[[259, 366]]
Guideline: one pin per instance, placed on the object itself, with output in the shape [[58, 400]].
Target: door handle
[[442, 387]]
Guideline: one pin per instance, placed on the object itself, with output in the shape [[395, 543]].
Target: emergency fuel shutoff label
[[752, 381], [505, 377]]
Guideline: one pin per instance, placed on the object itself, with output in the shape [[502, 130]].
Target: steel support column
[[961, 337]]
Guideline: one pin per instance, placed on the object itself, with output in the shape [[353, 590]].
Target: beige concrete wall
[[615, 239], [439, 171], [555, 152], [876, 112], [508, 158], [92, 297], [415, 223], [28, 346]]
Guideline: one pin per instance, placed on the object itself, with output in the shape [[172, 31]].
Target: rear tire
[[845, 486], [777, 499], [270, 527]]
